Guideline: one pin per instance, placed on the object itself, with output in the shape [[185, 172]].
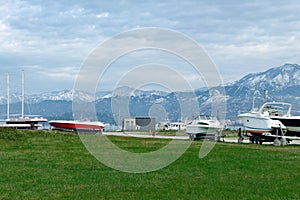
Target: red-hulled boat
[[76, 125]]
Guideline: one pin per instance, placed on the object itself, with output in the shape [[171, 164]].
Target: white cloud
[[102, 15], [3, 26], [60, 73], [239, 36]]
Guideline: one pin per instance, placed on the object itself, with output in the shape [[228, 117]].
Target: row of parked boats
[[63, 125], [273, 121], [34, 122]]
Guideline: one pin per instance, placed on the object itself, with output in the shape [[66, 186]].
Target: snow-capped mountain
[[64, 95], [282, 84], [277, 78], [69, 95], [131, 92]]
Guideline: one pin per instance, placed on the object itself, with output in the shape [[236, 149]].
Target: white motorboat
[[204, 127], [261, 126], [257, 124]]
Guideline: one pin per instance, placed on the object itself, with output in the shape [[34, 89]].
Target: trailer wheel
[[257, 140], [252, 139]]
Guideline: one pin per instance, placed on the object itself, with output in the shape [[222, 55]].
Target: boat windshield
[[203, 123], [276, 109], [204, 117]]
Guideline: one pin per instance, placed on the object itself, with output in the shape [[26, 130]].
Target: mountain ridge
[[283, 84]]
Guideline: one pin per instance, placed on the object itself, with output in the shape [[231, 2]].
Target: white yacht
[[204, 127]]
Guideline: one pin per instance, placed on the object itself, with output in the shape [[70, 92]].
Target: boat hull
[[292, 124], [204, 127], [258, 125], [200, 130], [74, 125]]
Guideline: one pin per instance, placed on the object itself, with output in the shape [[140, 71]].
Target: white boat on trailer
[[261, 127], [204, 127]]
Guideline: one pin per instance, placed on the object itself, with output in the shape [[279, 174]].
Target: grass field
[[50, 165]]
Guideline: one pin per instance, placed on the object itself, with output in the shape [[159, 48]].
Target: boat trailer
[[278, 139]]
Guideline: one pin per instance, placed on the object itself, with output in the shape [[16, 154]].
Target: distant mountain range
[[282, 84]]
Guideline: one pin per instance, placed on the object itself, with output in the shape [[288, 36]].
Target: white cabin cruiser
[[204, 127], [261, 126], [257, 124]]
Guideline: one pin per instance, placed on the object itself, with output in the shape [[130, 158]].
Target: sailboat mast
[[8, 95], [23, 92]]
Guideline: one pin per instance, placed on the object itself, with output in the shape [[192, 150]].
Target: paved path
[[246, 140], [145, 135]]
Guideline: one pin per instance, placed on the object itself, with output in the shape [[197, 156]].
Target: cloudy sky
[[51, 39]]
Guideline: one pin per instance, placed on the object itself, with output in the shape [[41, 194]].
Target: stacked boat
[[272, 121], [282, 111]]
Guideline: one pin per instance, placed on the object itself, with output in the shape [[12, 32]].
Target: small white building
[[139, 123]]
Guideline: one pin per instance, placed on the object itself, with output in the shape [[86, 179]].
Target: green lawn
[[50, 165]]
